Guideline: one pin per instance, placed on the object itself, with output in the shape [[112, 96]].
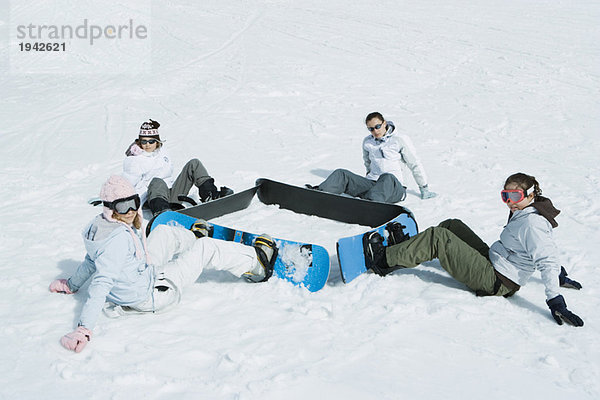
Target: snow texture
[[297, 259], [279, 89]]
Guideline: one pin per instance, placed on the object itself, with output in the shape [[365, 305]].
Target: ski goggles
[[123, 206], [514, 195], [372, 128], [148, 141]]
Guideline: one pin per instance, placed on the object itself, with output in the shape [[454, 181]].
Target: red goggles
[[515, 195]]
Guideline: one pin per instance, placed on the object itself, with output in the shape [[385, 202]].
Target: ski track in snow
[[279, 90]]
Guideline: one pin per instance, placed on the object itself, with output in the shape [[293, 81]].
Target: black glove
[[566, 282], [559, 311]]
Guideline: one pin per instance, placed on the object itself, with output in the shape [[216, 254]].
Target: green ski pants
[[460, 252]]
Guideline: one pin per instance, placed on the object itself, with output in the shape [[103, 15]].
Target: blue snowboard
[[299, 263], [351, 255]]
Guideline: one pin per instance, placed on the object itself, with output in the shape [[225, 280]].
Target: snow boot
[[158, 206], [396, 233], [266, 253], [374, 250], [201, 228], [225, 191], [208, 191]]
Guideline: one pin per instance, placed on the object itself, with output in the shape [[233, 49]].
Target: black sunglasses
[[372, 128], [149, 141]]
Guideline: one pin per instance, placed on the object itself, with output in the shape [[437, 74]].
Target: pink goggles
[[514, 195]]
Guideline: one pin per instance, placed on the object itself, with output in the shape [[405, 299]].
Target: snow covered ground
[[279, 89]]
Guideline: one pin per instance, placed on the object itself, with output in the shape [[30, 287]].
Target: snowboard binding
[[266, 252], [374, 250], [201, 228], [396, 233], [375, 258]]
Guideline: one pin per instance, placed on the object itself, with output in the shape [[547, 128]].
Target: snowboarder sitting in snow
[[384, 153], [525, 245], [124, 271], [149, 169]]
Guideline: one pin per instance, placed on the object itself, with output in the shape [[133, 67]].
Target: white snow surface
[[279, 89]]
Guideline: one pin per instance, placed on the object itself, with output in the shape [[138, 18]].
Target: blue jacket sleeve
[[366, 158], [108, 264], [82, 274], [537, 240], [409, 156]]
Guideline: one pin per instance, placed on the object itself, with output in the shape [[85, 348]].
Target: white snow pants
[[179, 257]]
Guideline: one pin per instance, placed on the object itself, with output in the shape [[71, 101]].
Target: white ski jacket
[[386, 155], [141, 169]]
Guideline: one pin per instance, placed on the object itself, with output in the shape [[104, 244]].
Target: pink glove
[[60, 286], [77, 339], [134, 150]]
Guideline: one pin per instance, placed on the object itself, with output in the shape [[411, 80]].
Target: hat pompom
[[150, 129]]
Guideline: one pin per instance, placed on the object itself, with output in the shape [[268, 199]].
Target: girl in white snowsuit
[[122, 272], [525, 245], [149, 169], [385, 152]]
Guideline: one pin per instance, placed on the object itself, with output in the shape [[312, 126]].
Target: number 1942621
[[40, 46]]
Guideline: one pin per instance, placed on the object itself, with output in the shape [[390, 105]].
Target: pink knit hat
[[116, 187]]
